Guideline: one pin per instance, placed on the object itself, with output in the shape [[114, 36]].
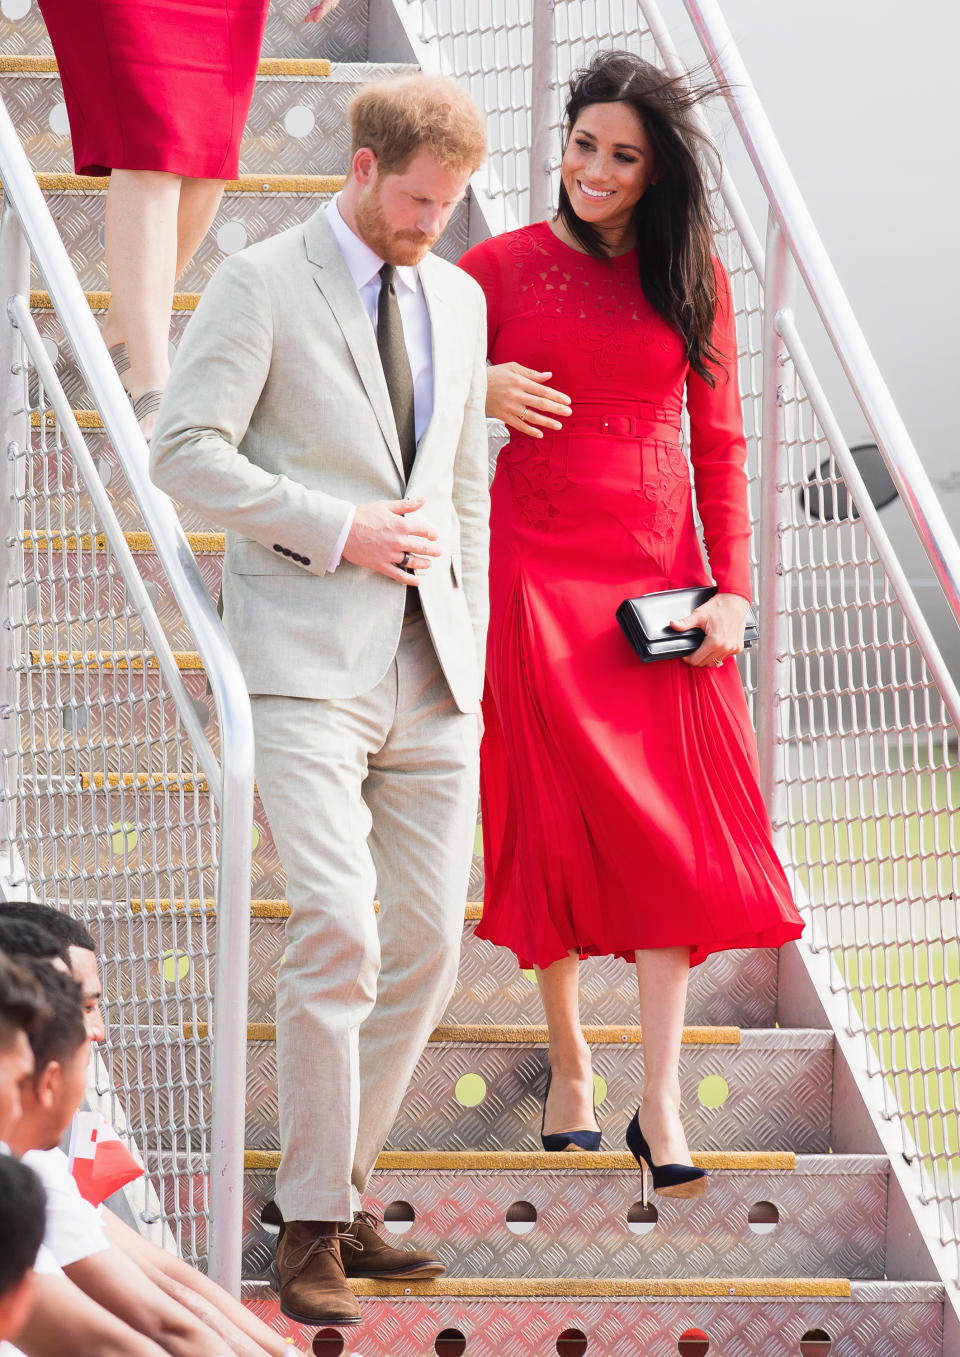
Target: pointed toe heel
[[565, 1140], [669, 1180]]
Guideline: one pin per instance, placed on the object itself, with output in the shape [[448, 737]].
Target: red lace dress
[[620, 801]]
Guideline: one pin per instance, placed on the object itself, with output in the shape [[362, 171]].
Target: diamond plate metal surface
[[739, 990], [830, 1224], [78, 214], [776, 1097], [906, 1325], [296, 124], [341, 37]]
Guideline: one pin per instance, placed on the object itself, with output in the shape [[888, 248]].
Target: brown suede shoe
[[313, 1287], [374, 1258]]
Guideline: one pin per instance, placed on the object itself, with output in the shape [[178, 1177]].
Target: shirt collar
[[364, 264]]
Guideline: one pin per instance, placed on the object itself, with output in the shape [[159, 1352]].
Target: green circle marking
[[530, 975], [478, 842], [174, 966], [599, 1090], [713, 1090], [470, 1090], [123, 836], [255, 838]]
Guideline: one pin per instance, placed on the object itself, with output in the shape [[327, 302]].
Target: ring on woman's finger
[[523, 415], [717, 664], [404, 560]]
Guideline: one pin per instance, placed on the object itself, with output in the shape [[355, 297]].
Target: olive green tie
[[396, 366]]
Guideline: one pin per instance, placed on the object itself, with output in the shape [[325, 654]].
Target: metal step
[[539, 1215], [731, 988], [341, 37], [753, 1090], [266, 205], [298, 118], [759, 1318]]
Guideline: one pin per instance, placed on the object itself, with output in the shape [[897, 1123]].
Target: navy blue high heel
[[582, 1140], [669, 1180]]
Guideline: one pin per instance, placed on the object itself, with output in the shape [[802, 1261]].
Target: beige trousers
[[368, 797]]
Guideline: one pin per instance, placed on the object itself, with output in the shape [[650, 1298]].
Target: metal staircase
[[808, 1241]]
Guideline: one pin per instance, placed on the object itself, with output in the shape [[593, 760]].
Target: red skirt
[[157, 84]]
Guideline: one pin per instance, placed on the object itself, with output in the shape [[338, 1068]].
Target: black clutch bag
[[646, 623]]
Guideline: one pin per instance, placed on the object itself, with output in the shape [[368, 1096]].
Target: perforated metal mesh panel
[[105, 799]]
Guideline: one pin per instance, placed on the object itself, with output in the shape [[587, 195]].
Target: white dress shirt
[[365, 266]]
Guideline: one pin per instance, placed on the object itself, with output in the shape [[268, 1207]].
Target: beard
[[393, 247]]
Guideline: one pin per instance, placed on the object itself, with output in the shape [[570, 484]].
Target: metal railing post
[[542, 107], [774, 667], [14, 278]]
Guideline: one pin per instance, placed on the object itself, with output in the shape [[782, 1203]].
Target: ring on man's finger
[[404, 560]]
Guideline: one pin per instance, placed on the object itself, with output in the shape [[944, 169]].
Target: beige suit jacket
[[277, 418]]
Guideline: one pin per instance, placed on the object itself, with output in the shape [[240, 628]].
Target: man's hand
[[722, 619], [388, 532]]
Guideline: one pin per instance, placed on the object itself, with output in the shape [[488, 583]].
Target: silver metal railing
[[857, 713], [114, 797]]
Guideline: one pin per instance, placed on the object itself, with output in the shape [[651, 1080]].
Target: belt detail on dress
[[623, 426]]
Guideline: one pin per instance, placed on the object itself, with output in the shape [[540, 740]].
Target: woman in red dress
[[621, 810], [157, 93]]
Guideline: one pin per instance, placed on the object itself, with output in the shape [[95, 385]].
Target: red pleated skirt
[[157, 84], [621, 806]]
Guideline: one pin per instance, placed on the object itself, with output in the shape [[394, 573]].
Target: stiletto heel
[[669, 1180], [563, 1140]]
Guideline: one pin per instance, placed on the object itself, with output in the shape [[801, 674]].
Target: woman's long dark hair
[[674, 223]]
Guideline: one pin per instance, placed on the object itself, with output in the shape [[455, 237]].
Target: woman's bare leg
[[154, 224], [199, 200], [571, 1089], [662, 982], [140, 239]]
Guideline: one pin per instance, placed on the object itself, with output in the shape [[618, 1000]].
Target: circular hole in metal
[[642, 1219], [299, 120], [398, 1217], [15, 9], [815, 1343], [763, 1217], [521, 1217], [572, 1343], [713, 1090], [104, 469], [450, 1343], [59, 122], [270, 1217], [693, 1343], [152, 590], [470, 1090], [202, 711], [327, 1343], [232, 236], [75, 718]]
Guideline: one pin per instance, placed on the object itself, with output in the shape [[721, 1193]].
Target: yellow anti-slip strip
[[87, 419], [259, 909], [521, 1161], [268, 66], [157, 780], [202, 543], [99, 301], [509, 1035], [247, 183], [611, 1288], [74, 659]]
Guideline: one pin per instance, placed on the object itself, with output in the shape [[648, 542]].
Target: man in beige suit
[[327, 408]]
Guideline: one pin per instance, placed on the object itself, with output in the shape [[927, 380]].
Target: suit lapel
[[443, 339], [334, 280]]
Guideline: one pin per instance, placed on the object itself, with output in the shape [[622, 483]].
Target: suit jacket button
[[287, 551], [277, 546], [295, 555], [304, 560]]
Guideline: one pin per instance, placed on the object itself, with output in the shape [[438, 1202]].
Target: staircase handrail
[[826, 291], [232, 777]]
